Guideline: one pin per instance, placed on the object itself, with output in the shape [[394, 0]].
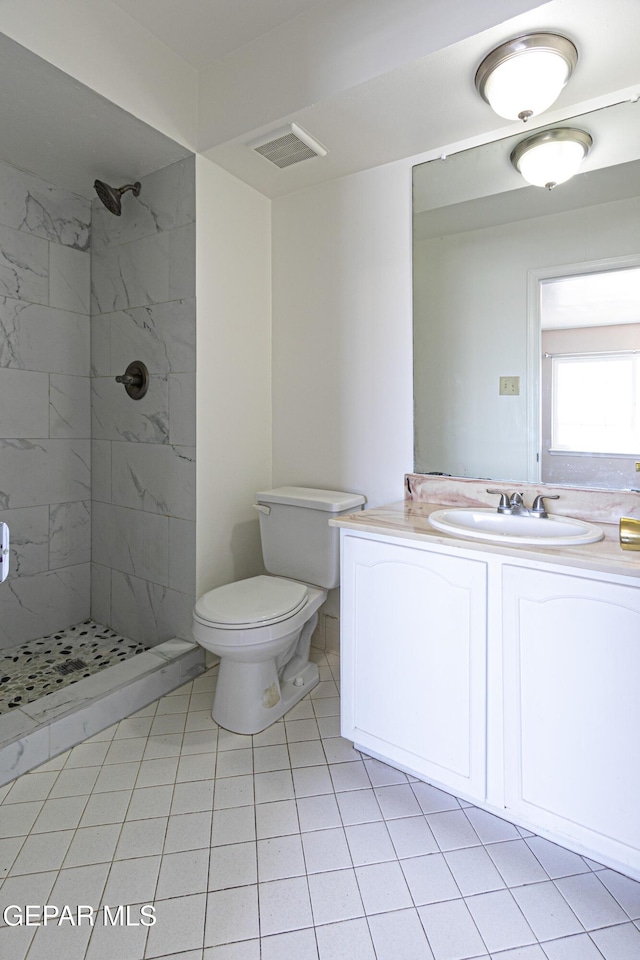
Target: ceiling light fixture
[[524, 76], [552, 156]]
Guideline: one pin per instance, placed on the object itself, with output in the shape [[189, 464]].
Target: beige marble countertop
[[408, 519]]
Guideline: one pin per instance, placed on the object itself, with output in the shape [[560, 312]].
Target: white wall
[[98, 44], [342, 383], [233, 290]]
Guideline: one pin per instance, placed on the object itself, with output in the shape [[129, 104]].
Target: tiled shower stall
[[98, 489]]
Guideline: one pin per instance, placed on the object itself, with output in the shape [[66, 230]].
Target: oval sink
[[485, 523]]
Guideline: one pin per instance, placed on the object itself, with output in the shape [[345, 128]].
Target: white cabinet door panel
[[572, 705], [414, 655]]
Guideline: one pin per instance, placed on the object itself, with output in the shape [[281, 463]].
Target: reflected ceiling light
[[524, 76], [552, 156]]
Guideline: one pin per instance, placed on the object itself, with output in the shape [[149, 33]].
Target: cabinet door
[[572, 707], [413, 659]]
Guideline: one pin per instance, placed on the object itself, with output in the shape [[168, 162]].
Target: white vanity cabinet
[[513, 682], [414, 660], [571, 655]]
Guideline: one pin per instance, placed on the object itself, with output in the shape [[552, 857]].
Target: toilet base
[[264, 698]]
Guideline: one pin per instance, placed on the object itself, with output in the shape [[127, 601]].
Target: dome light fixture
[[552, 156], [524, 76]]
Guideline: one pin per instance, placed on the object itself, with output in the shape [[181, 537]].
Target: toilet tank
[[297, 541]]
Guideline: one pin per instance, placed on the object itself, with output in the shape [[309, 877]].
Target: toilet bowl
[[261, 627]]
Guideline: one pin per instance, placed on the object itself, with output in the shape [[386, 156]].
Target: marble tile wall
[[45, 483], [143, 451]]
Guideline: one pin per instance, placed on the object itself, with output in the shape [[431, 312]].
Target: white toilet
[[261, 628]]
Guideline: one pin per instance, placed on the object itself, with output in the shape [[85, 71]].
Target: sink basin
[[485, 523]]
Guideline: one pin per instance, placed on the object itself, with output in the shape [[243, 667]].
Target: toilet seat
[[253, 603]]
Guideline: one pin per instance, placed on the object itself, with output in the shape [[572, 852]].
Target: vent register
[[288, 145]]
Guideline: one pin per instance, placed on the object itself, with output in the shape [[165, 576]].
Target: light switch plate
[[509, 386]]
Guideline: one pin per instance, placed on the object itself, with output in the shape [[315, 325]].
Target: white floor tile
[[618, 943], [297, 945], [451, 932], [297, 730], [188, 831], [93, 845], [326, 850], [234, 763], [42, 851], [28, 888], [276, 785], [307, 753], [231, 915], [132, 881], [335, 896], [88, 755], [312, 781], [350, 939], [557, 861], [284, 906], [276, 819], [382, 775], [179, 926], [452, 830], [500, 921], [158, 747], [267, 759], [580, 947], [473, 871], [412, 837], [103, 807], [591, 901], [318, 813], [118, 776], [32, 786], [349, 775], [149, 802], [60, 941], [155, 773], [338, 750], [546, 911], [193, 797], [182, 874], [122, 751], [141, 838], [490, 829], [432, 800], [369, 843], [126, 942], [74, 783], [383, 887], [625, 890], [397, 800], [430, 879], [236, 825], [399, 935], [233, 792], [243, 950], [280, 857], [80, 885], [233, 866], [17, 819], [358, 806], [516, 863]]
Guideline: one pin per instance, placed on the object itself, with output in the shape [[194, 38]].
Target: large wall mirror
[[527, 314]]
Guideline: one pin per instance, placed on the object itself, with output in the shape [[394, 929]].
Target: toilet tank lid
[[332, 501]]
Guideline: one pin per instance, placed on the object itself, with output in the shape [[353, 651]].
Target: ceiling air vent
[[288, 145]]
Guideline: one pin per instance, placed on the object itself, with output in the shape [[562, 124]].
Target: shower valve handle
[[135, 379]]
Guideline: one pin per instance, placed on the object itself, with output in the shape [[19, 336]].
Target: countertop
[[408, 520]]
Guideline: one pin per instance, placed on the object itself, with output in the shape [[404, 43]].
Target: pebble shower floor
[[34, 669]]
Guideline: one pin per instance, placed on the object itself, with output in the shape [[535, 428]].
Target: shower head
[[110, 196]]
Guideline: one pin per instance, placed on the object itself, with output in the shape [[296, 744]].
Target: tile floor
[[288, 845]]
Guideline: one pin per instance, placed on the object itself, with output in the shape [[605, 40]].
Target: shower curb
[[38, 731]]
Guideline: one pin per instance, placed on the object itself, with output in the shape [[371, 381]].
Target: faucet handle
[[503, 506], [538, 508]]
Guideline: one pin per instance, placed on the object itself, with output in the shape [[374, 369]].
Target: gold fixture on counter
[[629, 533]]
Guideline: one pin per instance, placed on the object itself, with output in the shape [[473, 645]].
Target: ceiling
[[373, 80], [405, 104], [203, 31]]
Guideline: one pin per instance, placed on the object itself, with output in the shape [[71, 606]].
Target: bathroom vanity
[[507, 675]]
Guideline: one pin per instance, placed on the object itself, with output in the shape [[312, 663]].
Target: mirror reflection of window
[[590, 333]]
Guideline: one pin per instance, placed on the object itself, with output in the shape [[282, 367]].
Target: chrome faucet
[[514, 505]]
